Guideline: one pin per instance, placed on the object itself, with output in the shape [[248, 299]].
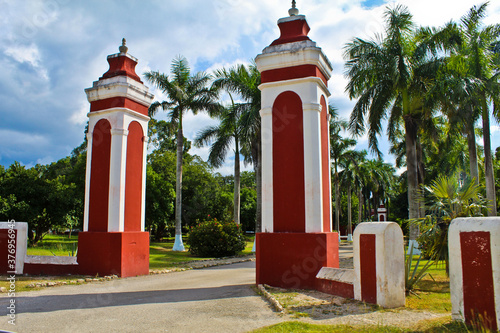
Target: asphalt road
[[218, 299]]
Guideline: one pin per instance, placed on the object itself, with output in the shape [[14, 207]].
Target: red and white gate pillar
[[474, 254], [382, 213], [296, 239], [113, 240]]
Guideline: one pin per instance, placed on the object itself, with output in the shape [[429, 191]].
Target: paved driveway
[[222, 301]]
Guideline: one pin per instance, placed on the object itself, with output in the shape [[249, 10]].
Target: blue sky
[[51, 50]]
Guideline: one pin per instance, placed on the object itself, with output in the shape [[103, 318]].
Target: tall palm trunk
[[411, 172], [349, 212], [178, 245], [366, 203], [360, 204], [488, 164], [236, 182], [337, 200], [420, 177], [471, 143]]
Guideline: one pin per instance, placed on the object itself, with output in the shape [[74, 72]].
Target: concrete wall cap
[[291, 18], [50, 260], [337, 274]]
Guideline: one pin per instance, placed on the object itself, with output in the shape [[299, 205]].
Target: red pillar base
[[292, 260], [121, 253], [336, 288]]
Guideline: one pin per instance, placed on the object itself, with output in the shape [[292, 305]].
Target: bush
[[215, 239]]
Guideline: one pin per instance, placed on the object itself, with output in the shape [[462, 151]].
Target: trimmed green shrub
[[215, 239]]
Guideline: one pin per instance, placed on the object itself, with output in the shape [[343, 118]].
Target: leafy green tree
[[162, 136], [185, 92], [160, 193], [248, 208], [204, 193], [29, 196], [71, 171], [11, 208], [339, 152]]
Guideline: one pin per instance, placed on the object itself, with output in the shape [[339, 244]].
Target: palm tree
[[458, 104], [381, 177], [352, 175], [222, 136], [391, 77], [185, 92], [477, 53], [339, 152], [244, 81]]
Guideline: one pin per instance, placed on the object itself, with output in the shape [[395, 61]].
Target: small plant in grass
[[212, 238], [447, 199], [413, 276]]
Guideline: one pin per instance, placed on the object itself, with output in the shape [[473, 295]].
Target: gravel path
[[217, 299]]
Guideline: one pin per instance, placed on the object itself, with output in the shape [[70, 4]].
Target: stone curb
[[205, 264], [270, 298], [78, 281]]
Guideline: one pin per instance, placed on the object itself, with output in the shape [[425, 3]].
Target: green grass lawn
[[160, 254], [433, 326], [59, 245], [432, 293]]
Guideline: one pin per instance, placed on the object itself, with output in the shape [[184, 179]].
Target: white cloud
[[19, 139], [27, 54], [228, 168], [79, 117], [45, 160]]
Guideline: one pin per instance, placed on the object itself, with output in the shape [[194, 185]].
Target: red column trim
[[367, 260], [290, 73], [477, 274], [118, 102]]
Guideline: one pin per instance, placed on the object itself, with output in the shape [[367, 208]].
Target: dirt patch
[[317, 305], [346, 262], [320, 308]]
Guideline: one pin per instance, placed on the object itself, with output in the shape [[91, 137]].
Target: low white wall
[[21, 243], [390, 259]]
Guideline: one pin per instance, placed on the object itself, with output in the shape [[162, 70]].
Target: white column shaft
[[87, 179], [267, 167], [144, 166], [116, 213], [312, 168]]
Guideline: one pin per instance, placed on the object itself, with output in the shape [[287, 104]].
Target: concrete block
[[379, 264], [474, 252]]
